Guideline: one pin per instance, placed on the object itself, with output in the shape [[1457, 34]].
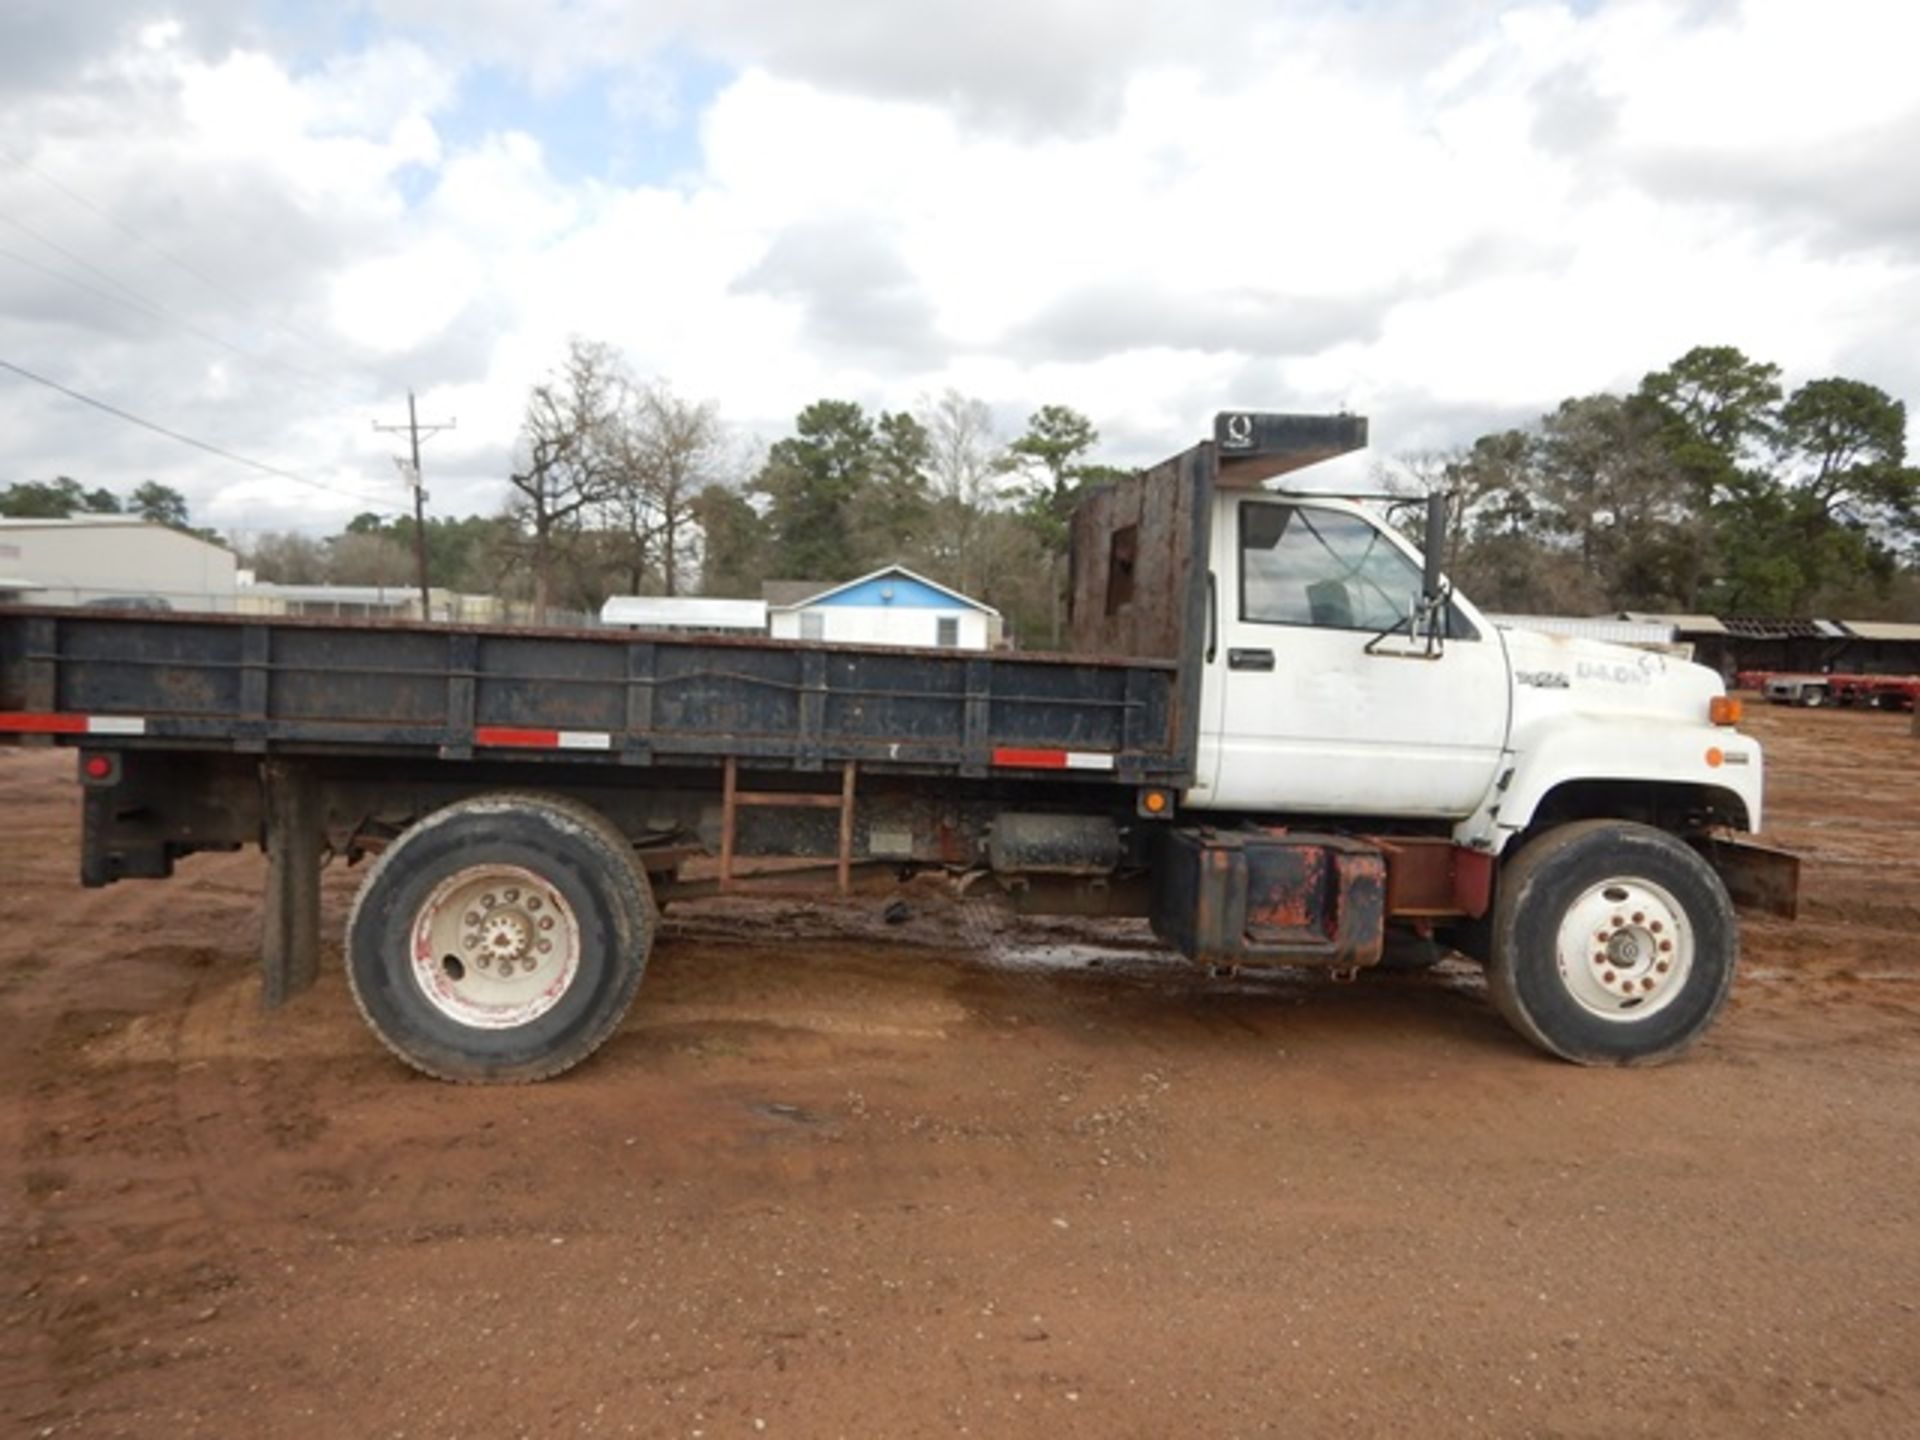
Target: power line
[[80, 260], [211, 449], [139, 302], [72, 280], [232, 298]]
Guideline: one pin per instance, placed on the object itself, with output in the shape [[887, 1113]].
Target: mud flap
[[1759, 879]]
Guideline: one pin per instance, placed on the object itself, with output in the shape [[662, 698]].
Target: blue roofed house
[[892, 606]]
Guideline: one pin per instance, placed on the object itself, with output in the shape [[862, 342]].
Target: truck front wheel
[[1612, 944], [500, 939]]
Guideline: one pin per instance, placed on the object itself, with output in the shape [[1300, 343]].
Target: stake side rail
[[622, 699]]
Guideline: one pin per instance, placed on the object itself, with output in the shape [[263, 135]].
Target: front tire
[[500, 939], [1612, 944]]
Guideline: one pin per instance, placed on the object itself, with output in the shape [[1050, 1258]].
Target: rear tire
[[500, 939], [1612, 944]]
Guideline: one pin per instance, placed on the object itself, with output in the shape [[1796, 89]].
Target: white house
[[113, 558], [892, 606]]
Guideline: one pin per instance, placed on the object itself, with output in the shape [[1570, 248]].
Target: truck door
[[1299, 714]]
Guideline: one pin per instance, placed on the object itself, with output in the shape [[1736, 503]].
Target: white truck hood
[[1557, 673], [1585, 710]]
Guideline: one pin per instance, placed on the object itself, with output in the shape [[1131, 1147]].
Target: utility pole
[[413, 429]]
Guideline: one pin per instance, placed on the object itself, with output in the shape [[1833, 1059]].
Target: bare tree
[[665, 452], [368, 560], [626, 517], [681, 444], [964, 462], [568, 455], [283, 557]]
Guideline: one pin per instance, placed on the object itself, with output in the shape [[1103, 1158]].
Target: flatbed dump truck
[[1843, 688], [1279, 736]]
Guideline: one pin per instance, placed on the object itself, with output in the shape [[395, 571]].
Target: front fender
[[1613, 748]]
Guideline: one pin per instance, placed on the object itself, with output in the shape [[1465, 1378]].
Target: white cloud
[[395, 302], [1450, 215]]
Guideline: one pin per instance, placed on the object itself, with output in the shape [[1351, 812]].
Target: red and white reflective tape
[[514, 738], [1052, 759], [40, 722]]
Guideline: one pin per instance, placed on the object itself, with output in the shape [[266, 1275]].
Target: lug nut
[[1655, 927], [533, 902], [512, 895], [545, 946], [1608, 978], [488, 901], [1665, 946], [546, 922], [1639, 918], [1663, 967]]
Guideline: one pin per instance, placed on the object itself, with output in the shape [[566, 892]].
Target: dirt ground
[[962, 1175]]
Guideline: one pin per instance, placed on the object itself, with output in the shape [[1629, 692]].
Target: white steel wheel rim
[[1625, 950], [495, 946]]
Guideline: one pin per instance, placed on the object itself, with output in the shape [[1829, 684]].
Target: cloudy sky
[[260, 223]]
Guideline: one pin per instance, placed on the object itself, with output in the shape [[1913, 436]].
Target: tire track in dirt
[[1021, 1176]]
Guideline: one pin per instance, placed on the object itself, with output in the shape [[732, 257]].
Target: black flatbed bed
[[450, 693]]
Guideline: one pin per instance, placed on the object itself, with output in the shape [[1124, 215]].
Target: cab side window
[[1300, 565]]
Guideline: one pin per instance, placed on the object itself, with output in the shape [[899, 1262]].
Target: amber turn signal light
[[1724, 710]]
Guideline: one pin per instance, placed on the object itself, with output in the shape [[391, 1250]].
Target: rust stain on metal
[[1295, 897], [1430, 877]]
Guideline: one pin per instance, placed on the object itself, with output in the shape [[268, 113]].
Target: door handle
[[1238, 659]]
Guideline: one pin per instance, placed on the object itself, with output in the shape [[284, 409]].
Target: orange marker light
[[1724, 710], [1715, 757], [1154, 800]]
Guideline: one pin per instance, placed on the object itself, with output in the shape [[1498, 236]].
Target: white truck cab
[[1326, 691], [1379, 767]]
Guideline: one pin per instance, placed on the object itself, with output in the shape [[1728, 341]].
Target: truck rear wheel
[[1612, 944], [500, 939]]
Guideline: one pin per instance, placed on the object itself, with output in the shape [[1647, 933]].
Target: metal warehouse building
[[108, 558], [1732, 643]]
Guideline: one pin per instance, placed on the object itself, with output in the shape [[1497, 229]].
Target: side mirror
[[1435, 547]]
